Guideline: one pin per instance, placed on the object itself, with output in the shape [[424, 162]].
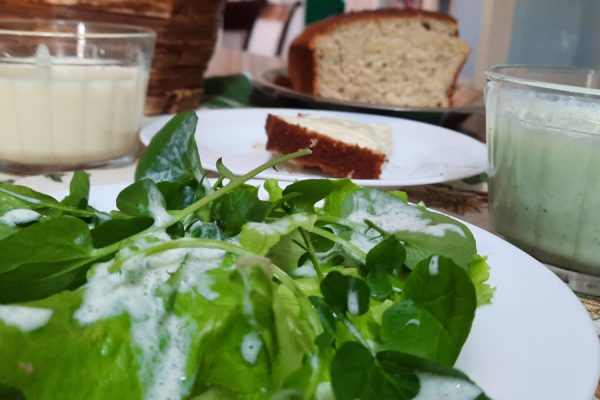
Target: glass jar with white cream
[[72, 94], [543, 133]]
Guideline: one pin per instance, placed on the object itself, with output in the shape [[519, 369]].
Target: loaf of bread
[[342, 148], [386, 57]]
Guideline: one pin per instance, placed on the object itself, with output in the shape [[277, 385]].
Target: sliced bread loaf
[[388, 57]]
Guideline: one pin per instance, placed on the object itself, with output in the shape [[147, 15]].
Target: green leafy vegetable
[[79, 190], [172, 156], [355, 374], [204, 290], [235, 209], [310, 191], [142, 199], [346, 293], [434, 319]]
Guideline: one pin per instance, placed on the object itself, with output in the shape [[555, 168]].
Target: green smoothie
[[544, 149]]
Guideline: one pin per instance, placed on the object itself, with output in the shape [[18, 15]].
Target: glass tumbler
[[543, 134], [71, 93]]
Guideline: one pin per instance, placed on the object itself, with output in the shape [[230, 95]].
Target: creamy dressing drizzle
[[281, 226], [161, 216], [413, 321], [19, 216], [162, 338], [434, 265], [250, 347], [392, 216], [26, 319], [445, 388], [246, 302], [304, 271], [353, 300]]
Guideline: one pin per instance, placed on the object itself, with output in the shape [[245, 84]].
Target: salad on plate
[[203, 289]]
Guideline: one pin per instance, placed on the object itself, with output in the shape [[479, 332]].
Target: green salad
[[198, 289]]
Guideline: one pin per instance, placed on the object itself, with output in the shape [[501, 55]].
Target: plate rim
[[266, 82], [149, 130]]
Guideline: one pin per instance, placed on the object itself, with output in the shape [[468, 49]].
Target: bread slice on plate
[[341, 148], [387, 57]]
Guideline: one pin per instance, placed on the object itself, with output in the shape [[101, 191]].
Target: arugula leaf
[[292, 366], [273, 189], [424, 233], [29, 196], [287, 252], [8, 203], [58, 239], [346, 293], [459, 247], [180, 195], [335, 199], [114, 230], [355, 374], [79, 190], [172, 155], [388, 253], [143, 199], [310, 192], [327, 318], [381, 260], [236, 208], [479, 272], [39, 280], [446, 379], [259, 238], [434, 319]]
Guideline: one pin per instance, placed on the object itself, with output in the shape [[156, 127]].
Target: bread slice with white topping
[[342, 148]]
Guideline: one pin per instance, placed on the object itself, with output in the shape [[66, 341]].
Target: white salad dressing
[[324, 391], [353, 306], [162, 337], [26, 319], [434, 265], [445, 388], [250, 347], [393, 216], [307, 270], [19, 216], [281, 226], [413, 321], [155, 206], [246, 302]]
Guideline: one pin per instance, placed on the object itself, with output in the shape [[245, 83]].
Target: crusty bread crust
[[302, 63], [330, 155]]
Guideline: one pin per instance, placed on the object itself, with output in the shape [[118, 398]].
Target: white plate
[[422, 153], [535, 341]]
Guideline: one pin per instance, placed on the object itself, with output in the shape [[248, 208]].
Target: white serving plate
[[422, 153]]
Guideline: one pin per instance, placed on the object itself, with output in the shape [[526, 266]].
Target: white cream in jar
[[69, 111]]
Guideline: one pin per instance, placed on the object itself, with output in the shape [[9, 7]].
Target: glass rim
[[17, 27], [496, 72]]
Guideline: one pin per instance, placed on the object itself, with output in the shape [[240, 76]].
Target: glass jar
[[71, 93], [543, 134]]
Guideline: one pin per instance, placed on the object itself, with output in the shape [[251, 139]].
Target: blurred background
[[552, 32]]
